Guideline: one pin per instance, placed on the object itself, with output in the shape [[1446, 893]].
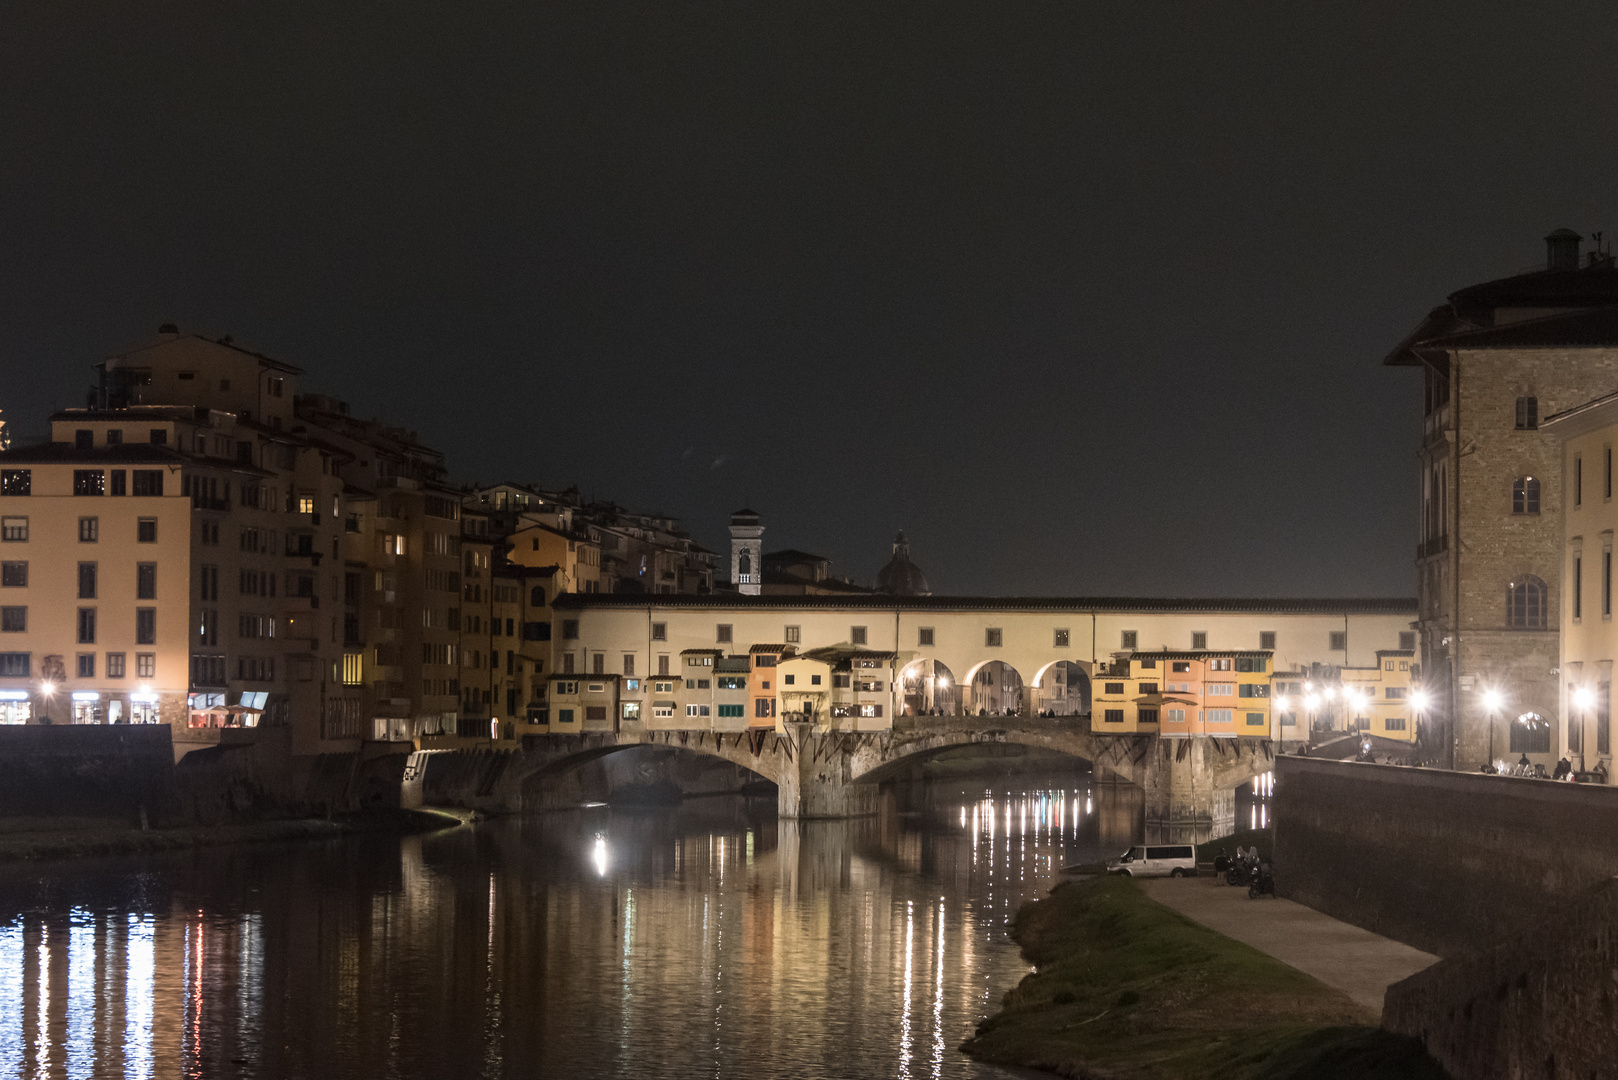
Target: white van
[[1156, 860]]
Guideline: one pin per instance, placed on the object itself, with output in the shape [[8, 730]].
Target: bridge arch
[[927, 687], [1061, 688], [995, 688]]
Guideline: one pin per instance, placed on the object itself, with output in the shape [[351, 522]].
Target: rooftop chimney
[[1562, 250]]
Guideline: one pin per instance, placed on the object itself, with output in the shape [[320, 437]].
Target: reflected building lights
[[598, 856]]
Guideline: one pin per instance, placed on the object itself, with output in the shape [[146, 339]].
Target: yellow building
[[1584, 437], [1378, 700]]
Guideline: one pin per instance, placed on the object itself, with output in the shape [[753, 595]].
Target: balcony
[[1428, 548]]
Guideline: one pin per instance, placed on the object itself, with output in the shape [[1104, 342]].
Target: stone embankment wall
[[84, 771], [1446, 862], [1540, 1005], [120, 771]]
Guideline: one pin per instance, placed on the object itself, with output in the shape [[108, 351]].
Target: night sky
[[1087, 298]]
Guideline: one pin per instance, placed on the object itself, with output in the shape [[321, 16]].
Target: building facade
[[1495, 359]]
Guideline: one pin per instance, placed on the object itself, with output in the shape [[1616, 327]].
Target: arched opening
[[996, 690], [929, 689], [1062, 689], [1530, 734], [652, 774]]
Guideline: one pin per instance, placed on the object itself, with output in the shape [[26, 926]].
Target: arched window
[[1525, 495], [744, 562], [1527, 413], [1525, 603], [1530, 734]]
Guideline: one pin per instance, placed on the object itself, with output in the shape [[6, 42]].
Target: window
[[14, 575], [1146, 716], [1129, 638], [13, 529], [115, 665], [856, 635], [86, 665], [924, 637], [1525, 604], [570, 629], [89, 481], [732, 711], [629, 664], [993, 636], [1221, 689], [1112, 688], [1199, 639], [866, 711], [1606, 582], [1578, 583], [147, 482], [794, 635], [1220, 716], [146, 531], [1266, 639], [1394, 723], [1180, 666], [1527, 413], [598, 664], [145, 665], [208, 583], [733, 682], [1255, 719], [146, 581], [118, 485], [89, 530], [1578, 481], [1252, 690], [1530, 734], [87, 581], [1148, 688], [1060, 639], [306, 505], [16, 481], [660, 631], [145, 626], [1407, 640], [696, 710], [14, 620], [722, 633], [1256, 664], [1176, 716], [1337, 641], [789, 680], [83, 439], [1112, 716], [15, 665], [1220, 663]]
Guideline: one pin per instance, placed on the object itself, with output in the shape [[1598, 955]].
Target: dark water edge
[[707, 939]]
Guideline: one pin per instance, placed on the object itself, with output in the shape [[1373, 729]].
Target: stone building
[[1495, 358]]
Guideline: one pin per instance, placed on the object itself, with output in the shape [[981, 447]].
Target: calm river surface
[[708, 940]]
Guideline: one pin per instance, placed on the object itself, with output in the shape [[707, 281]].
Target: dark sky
[[1087, 298]]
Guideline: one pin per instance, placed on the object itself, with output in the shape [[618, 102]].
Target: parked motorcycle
[[1262, 882]]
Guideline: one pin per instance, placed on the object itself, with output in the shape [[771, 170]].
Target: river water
[[707, 940]]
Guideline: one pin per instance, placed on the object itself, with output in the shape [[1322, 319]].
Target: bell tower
[[746, 552]]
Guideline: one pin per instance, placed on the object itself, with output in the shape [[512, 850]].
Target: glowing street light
[[1492, 700]]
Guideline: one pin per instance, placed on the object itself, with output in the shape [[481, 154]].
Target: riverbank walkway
[[1359, 963]]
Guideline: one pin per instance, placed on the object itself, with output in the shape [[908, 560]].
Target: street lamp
[[1492, 700], [46, 689], [1584, 698]]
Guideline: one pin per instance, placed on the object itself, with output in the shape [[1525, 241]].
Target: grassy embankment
[[1127, 989], [69, 838]]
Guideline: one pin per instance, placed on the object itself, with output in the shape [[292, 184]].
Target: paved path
[[1357, 962]]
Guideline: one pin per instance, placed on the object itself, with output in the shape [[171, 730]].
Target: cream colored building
[[954, 638], [95, 566], [1583, 438]]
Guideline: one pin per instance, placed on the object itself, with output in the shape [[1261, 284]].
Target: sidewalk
[[1359, 963]]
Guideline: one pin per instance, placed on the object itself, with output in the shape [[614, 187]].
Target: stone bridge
[[1189, 783]]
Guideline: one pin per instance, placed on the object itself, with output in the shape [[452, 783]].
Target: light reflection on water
[[709, 940]]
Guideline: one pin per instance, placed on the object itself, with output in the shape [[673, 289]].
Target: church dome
[[901, 577]]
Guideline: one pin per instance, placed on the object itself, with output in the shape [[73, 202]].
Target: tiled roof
[[1381, 605]]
